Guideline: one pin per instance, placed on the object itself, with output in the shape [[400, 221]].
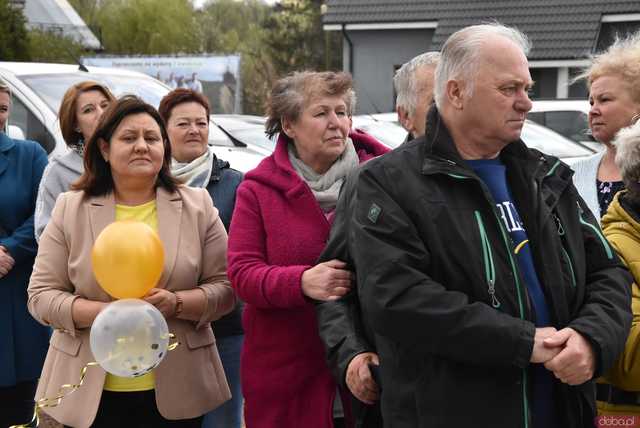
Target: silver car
[[387, 130], [38, 89]]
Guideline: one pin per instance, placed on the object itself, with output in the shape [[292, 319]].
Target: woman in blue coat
[[23, 342]]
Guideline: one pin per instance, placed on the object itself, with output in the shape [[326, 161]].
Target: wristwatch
[[179, 303]]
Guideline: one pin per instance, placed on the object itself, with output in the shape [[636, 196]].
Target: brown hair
[[67, 112], [179, 96], [292, 93], [97, 179]]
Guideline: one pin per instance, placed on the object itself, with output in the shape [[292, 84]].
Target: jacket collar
[[6, 143], [217, 166], [169, 207], [441, 154], [621, 217]]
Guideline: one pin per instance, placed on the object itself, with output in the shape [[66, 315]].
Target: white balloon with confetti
[[129, 338]]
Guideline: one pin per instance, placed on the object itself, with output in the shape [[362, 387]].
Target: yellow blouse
[[148, 214]]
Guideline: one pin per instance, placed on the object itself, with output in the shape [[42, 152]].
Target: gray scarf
[[196, 173], [326, 187]]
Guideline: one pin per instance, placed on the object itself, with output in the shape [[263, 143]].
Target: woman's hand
[[327, 281], [164, 300], [6, 261]]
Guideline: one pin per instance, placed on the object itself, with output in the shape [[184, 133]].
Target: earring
[[635, 118]]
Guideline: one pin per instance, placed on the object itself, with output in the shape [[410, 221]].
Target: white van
[[38, 89]]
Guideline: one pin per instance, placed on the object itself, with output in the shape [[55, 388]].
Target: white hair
[[627, 144], [405, 82], [461, 54]]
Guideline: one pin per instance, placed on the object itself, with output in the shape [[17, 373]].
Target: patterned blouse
[[606, 192]]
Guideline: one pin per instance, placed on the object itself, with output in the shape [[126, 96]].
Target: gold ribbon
[[67, 389]]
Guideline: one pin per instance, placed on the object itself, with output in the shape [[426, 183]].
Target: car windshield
[[388, 133], [51, 88], [246, 129]]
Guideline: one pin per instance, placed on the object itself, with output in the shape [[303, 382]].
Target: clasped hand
[[164, 300], [327, 281], [564, 352], [6, 261]]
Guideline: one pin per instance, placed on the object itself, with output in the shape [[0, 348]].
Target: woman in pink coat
[[281, 222]]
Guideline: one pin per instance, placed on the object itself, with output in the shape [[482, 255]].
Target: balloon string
[[55, 401]]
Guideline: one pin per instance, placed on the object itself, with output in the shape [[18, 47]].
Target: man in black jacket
[[350, 353], [483, 281]]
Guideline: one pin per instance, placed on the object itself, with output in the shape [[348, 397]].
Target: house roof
[[558, 29], [59, 15]]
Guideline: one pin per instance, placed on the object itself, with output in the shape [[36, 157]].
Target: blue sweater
[[23, 342], [493, 173]]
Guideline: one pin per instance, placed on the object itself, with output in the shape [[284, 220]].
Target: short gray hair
[[627, 144], [461, 54], [290, 94], [404, 81]]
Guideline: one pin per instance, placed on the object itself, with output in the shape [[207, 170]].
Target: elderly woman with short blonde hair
[[614, 85], [280, 225]]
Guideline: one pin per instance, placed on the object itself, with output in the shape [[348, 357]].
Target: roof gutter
[[350, 43]]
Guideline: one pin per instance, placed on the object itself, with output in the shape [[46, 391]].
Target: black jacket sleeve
[[404, 304], [339, 321], [605, 315]]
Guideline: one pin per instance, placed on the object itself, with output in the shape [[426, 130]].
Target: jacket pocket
[[487, 257], [200, 338], [65, 343]]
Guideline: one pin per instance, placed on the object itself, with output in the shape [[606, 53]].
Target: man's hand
[[575, 364], [6, 261], [541, 352], [359, 379], [326, 281], [164, 300]]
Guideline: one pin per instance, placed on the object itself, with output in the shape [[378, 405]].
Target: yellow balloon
[[127, 259]]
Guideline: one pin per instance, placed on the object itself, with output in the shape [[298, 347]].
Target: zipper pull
[[492, 293], [559, 225]]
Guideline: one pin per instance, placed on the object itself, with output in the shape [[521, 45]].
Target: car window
[[30, 125], [571, 124], [549, 142], [51, 88], [537, 117]]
